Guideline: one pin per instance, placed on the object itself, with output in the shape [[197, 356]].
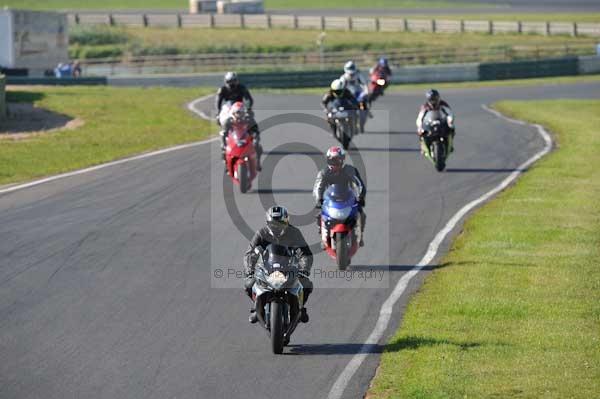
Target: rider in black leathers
[[232, 91], [279, 231], [336, 91], [338, 173]]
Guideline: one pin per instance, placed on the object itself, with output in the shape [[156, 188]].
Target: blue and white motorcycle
[[339, 215]]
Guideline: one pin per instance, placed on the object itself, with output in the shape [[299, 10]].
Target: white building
[[33, 40]]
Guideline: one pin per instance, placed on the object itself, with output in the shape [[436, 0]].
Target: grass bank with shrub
[[118, 122], [103, 41], [516, 311]]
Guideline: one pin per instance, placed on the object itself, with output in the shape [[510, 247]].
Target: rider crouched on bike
[[231, 92], [336, 91], [382, 67], [239, 114], [338, 173], [435, 103], [279, 231]]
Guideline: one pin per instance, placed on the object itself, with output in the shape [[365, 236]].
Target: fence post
[[350, 26], [547, 29], [77, 19], [377, 24], [322, 22], [242, 21], [519, 27], [295, 21], [491, 27], [111, 20], [433, 26], [179, 21], [269, 22], [462, 26], [575, 29], [145, 20], [212, 20], [405, 24]]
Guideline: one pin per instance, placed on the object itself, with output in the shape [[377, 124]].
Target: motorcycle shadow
[[333, 349], [396, 268], [383, 149]]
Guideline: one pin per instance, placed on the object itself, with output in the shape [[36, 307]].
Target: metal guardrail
[[2, 98], [316, 60], [373, 24], [529, 69]]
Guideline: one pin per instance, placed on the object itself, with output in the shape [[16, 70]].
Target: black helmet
[[433, 97], [230, 79], [277, 220]]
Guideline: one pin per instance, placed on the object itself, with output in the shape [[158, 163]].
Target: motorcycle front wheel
[[439, 158], [341, 250], [277, 327]]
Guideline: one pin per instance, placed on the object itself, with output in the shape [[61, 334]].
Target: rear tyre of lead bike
[[242, 174], [344, 136], [439, 158], [277, 325], [341, 250]]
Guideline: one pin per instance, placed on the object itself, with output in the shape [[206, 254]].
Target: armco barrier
[[2, 97], [529, 69], [91, 81], [589, 65], [436, 73], [290, 79]]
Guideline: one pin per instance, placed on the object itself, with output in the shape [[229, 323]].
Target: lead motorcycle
[[240, 156], [437, 140], [378, 82], [343, 116], [339, 214], [278, 293]]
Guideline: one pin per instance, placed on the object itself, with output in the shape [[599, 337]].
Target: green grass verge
[[401, 88], [98, 42], [515, 312], [118, 122]]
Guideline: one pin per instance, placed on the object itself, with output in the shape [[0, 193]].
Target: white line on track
[[190, 106], [385, 312]]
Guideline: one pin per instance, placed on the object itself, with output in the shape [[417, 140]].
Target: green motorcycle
[[436, 142]]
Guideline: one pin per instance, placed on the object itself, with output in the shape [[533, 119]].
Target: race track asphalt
[[107, 279]]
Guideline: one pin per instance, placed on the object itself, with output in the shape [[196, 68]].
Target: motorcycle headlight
[[241, 143], [340, 213], [381, 82], [277, 279], [342, 114]]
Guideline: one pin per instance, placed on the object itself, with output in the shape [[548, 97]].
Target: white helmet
[[337, 86], [350, 67]]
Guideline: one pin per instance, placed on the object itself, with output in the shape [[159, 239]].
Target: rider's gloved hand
[[420, 132]]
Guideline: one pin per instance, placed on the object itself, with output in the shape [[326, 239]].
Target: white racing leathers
[[357, 86]]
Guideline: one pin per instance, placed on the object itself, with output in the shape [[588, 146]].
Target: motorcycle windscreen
[[339, 199], [277, 258]]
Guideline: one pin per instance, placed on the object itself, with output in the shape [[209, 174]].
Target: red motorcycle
[[378, 81], [240, 156]]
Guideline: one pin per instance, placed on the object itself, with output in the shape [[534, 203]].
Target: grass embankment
[[516, 310], [117, 123], [102, 42]]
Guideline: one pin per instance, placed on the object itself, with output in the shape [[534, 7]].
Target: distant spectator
[[67, 70]]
